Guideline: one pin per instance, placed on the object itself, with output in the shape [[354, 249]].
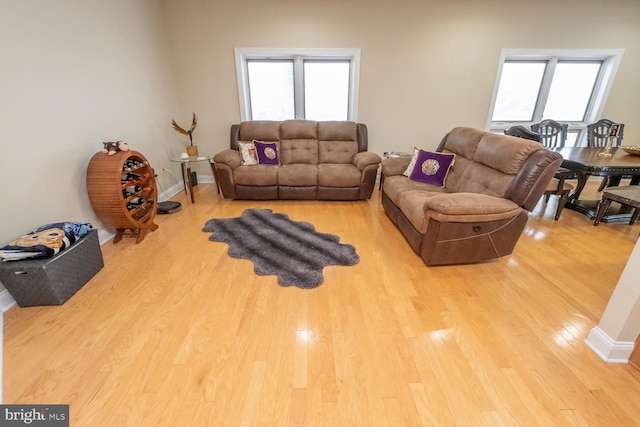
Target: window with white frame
[[283, 84], [569, 86]]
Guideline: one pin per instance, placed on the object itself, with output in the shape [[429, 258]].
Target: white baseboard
[[173, 190], [6, 301], [607, 348], [206, 179]]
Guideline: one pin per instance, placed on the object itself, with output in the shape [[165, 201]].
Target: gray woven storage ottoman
[[54, 280]]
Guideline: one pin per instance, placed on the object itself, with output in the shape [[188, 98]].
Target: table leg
[[190, 182], [586, 207], [214, 170], [582, 181], [183, 167], [603, 206], [614, 181]]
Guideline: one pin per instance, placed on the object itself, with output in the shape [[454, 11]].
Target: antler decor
[[194, 123]]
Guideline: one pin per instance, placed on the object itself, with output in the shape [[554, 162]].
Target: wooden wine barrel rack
[[106, 190]]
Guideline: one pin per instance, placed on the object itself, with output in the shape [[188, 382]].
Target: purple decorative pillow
[[267, 153], [432, 168]]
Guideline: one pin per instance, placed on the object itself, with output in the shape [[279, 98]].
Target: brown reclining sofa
[[317, 160], [483, 207]]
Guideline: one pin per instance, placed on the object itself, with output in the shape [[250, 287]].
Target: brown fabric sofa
[[481, 211], [318, 160]]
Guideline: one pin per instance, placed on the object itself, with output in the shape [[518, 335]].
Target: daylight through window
[[566, 86], [284, 84]]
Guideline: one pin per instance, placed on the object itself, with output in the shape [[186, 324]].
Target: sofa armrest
[[365, 158], [469, 207], [231, 158], [395, 166]]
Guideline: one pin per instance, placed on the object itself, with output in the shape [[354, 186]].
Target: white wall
[[427, 65], [76, 73]]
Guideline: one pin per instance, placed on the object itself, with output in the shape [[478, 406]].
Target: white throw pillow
[[249, 153], [412, 163]]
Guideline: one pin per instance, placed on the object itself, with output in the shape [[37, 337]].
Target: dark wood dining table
[[586, 162]]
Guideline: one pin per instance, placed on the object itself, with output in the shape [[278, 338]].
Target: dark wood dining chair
[[553, 133], [598, 137], [598, 133], [557, 186], [627, 195], [522, 132]]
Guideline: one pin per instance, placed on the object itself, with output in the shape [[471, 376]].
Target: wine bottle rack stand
[[123, 193]]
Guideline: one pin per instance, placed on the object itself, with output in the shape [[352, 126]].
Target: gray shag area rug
[[292, 250]]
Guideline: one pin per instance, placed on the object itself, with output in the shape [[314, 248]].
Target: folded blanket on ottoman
[[45, 241]]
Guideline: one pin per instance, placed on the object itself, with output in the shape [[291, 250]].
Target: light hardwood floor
[[173, 332]]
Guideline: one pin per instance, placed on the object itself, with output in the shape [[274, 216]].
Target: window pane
[[518, 91], [326, 90], [572, 139], [271, 90], [571, 90]]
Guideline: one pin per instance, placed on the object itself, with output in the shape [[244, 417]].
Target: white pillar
[[613, 339]]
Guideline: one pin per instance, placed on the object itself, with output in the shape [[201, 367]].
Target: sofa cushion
[[263, 130], [432, 168], [337, 131], [298, 175], [299, 151], [267, 152], [337, 141], [463, 141], [335, 175], [299, 129], [472, 177], [248, 153], [470, 204], [504, 153], [258, 175], [397, 184], [336, 151]]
